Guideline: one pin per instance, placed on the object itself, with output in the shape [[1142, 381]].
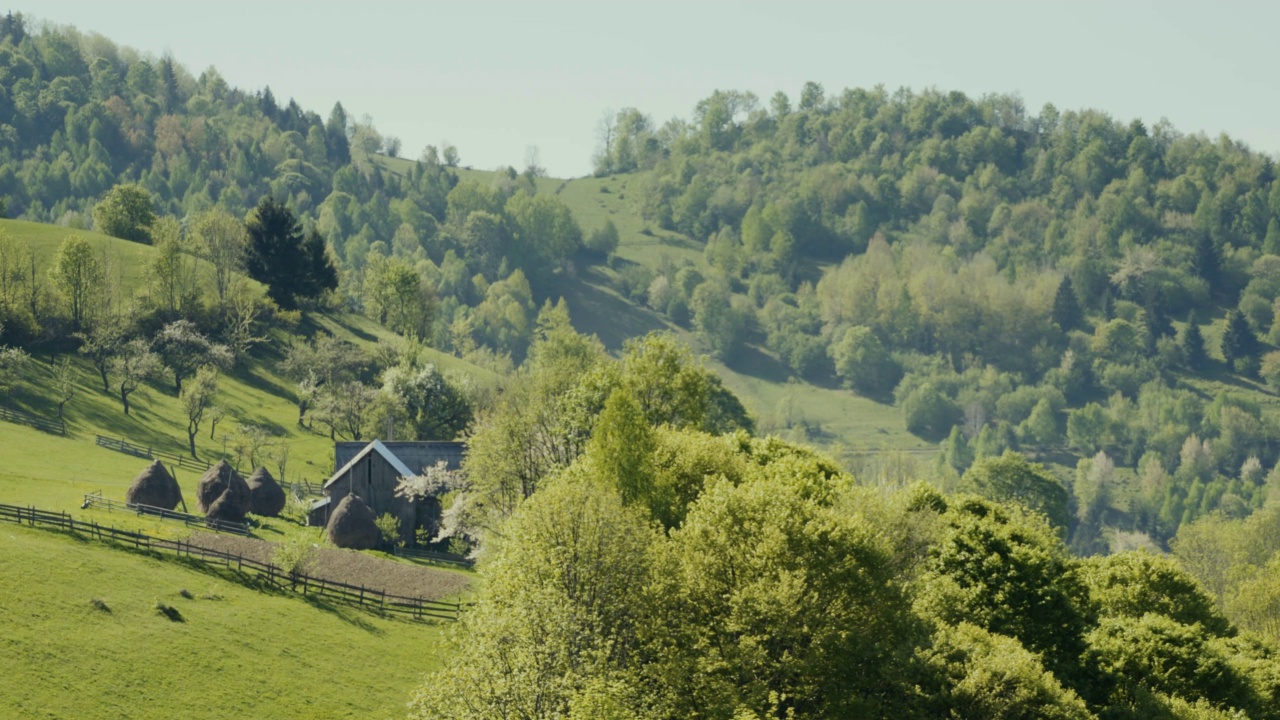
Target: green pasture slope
[[238, 653], [843, 423], [254, 394]]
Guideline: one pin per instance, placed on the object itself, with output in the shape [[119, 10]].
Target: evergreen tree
[[169, 92], [1271, 245], [335, 131], [1207, 261], [268, 103], [1238, 340], [956, 451], [1192, 344], [279, 257], [1066, 306]]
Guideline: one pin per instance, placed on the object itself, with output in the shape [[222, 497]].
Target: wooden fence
[[436, 556], [54, 426], [366, 598], [150, 453], [95, 500]]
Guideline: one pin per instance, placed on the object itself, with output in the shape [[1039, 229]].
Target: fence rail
[[58, 427], [303, 487], [95, 500], [150, 453], [436, 556], [418, 608]]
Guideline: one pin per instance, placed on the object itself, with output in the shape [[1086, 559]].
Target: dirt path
[[351, 567]]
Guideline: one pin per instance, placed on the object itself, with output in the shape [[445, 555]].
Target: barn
[[372, 471]]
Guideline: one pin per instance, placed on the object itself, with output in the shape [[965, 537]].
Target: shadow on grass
[[750, 360], [595, 311]]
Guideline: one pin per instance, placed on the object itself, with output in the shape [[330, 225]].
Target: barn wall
[[374, 481]]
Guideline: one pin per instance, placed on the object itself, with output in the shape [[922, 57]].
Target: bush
[[389, 528], [928, 412]]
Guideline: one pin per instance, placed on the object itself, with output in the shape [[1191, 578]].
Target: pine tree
[[1271, 245], [169, 78], [956, 451], [1238, 340], [1206, 260], [1192, 344], [1066, 306]]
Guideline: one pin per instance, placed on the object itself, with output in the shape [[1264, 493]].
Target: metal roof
[[378, 447]]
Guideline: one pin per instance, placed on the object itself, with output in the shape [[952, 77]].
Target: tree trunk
[[177, 383], [102, 370], [124, 398], [191, 440]]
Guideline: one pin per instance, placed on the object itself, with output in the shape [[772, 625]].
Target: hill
[[238, 651]]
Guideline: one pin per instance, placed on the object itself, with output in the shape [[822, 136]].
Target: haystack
[[219, 480], [352, 525], [154, 486], [226, 508], [266, 495]]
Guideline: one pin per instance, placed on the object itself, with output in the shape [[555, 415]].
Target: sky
[[497, 77]]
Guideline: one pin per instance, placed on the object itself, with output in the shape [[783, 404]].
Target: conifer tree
[[1192, 344], [1066, 306], [1271, 245], [1238, 340], [1207, 261]]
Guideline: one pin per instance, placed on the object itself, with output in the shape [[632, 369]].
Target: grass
[[88, 640]]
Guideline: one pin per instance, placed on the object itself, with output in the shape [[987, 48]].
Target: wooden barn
[[372, 471]]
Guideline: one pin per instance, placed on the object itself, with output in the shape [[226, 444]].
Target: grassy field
[[239, 652]]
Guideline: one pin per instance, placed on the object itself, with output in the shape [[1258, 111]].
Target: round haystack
[[265, 494], [220, 479], [155, 487], [352, 525], [226, 508]]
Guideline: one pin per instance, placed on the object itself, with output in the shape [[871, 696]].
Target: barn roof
[[374, 447], [416, 455]]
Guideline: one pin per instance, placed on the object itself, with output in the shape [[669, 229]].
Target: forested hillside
[[1062, 282]]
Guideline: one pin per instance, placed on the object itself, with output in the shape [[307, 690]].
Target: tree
[[292, 266], [1007, 572], [1013, 478], [134, 365], [562, 607], [863, 363], [183, 348], [1192, 344], [399, 297], [126, 212], [1207, 259], [64, 383], [196, 399], [983, 676], [621, 443], [1238, 340], [78, 276], [436, 408], [171, 273], [223, 241], [603, 241], [12, 361], [722, 323], [1066, 306], [345, 408], [928, 411], [956, 451], [101, 345]]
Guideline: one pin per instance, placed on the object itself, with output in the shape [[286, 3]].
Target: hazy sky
[[496, 77]]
